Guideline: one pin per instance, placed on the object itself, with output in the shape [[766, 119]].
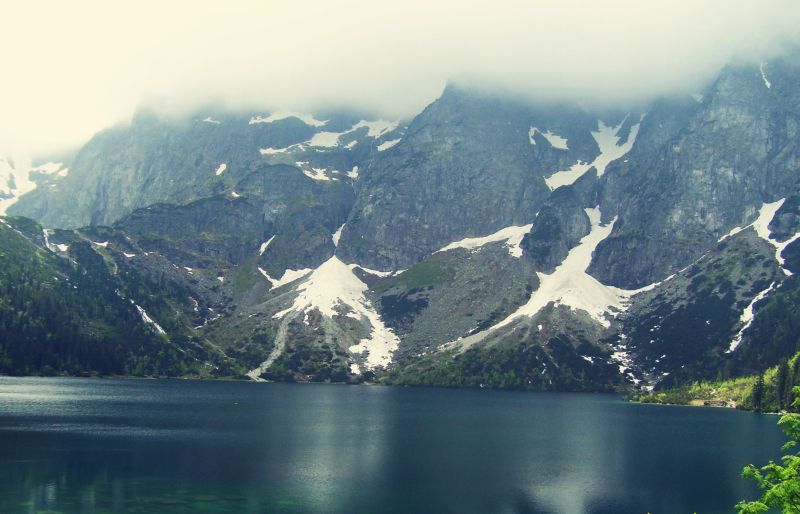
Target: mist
[[73, 68]]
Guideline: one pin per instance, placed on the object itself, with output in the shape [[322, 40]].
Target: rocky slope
[[490, 241]]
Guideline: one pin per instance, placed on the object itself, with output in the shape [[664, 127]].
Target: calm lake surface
[[146, 446]]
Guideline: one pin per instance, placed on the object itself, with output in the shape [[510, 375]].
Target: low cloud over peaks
[[80, 66]]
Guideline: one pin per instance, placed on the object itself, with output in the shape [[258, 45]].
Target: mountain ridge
[[455, 248]]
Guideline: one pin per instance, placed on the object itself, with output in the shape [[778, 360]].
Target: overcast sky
[[73, 68]]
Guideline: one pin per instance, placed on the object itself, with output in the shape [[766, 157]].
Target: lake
[[178, 446]]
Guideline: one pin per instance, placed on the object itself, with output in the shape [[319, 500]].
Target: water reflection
[[180, 446]]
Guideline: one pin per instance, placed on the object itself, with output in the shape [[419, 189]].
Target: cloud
[[72, 68]]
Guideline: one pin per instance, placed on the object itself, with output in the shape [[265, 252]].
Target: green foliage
[[245, 277], [779, 483], [60, 316], [771, 391], [530, 368], [425, 274]]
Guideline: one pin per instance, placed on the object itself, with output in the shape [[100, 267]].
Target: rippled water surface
[[146, 446]]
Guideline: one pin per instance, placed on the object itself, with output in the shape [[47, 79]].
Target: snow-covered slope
[[19, 177], [334, 290]]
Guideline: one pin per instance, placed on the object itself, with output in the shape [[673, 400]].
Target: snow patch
[[567, 177], [387, 144], [353, 174], [555, 141], [354, 369], [209, 119], [761, 226], [732, 233], [325, 139], [765, 215], [376, 272], [265, 245], [764, 76], [273, 151], [571, 286], [221, 169], [607, 139], [376, 128], [511, 235], [147, 319], [337, 235], [608, 142], [234, 194], [290, 275], [747, 318], [308, 119], [46, 236], [317, 174], [333, 286], [65, 248], [127, 255], [52, 168]]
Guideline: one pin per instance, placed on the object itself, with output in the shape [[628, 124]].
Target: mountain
[[487, 242], [66, 306]]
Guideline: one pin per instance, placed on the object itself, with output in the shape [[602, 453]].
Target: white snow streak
[[308, 119], [273, 151], [764, 76], [334, 286], [147, 319], [376, 272], [747, 317], [353, 174], [387, 144], [511, 235], [265, 245], [209, 119], [554, 140], [222, 167], [289, 276], [766, 214], [337, 235], [567, 177], [235, 194]]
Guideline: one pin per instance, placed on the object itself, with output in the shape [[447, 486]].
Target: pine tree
[[758, 393]]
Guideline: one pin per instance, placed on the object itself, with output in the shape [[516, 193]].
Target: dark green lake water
[[87, 445]]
